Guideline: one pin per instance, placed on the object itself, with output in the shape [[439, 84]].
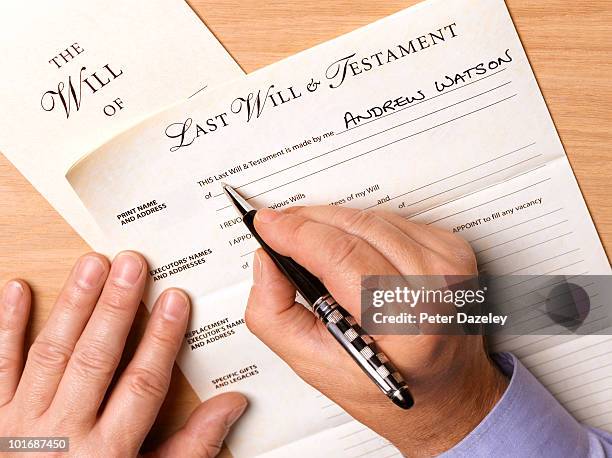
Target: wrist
[[449, 412]]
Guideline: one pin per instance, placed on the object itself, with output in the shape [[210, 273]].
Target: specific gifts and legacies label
[[511, 305]]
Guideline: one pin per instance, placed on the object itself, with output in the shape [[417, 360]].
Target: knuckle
[[432, 350], [252, 317], [209, 448], [11, 325], [453, 268], [463, 255], [421, 256], [298, 230], [161, 336], [342, 249], [70, 298], [115, 446], [95, 361], [114, 300], [8, 329], [147, 382], [361, 220], [50, 353], [9, 363], [210, 444]]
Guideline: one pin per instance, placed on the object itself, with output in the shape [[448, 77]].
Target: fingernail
[[266, 215], [235, 414], [89, 272], [126, 268], [257, 268], [13, 292], [174, 305]]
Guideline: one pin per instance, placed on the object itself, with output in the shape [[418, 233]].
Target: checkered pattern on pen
[[362, 342]]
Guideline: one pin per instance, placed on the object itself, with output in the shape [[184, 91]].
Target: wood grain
[[569, 45]]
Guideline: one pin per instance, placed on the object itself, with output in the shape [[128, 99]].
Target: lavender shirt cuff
[[529, 422]]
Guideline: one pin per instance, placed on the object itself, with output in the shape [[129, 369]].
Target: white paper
[[455, 152], [145, 54]]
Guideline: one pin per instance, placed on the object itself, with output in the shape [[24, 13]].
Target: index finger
[[141, 389], [98, 351], [338, 258], [360, 222]]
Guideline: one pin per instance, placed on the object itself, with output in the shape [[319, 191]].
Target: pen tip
[[239, 202]]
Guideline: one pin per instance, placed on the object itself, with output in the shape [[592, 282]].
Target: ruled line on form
[[427, 100], [463, 184], [516, 349], [459, 173], [540, 262], [374, 149], [604, 390], [582, 361], [526, 248], [515, 225], [564, 280], [471, 181], [521, 237], [353, 433], [590, 382], [488, 202], [557, 296], [374, 450], [583, 373], [360, 140], [361, 443], [541, 275]]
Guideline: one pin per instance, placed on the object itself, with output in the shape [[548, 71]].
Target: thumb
[[203, 434], [272, 313]]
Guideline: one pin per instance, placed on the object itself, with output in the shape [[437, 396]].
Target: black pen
[[336, 319]]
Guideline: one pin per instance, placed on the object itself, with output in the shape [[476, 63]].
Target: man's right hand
[[453, 381]]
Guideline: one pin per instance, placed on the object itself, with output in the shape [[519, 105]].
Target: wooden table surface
[[569, 45]]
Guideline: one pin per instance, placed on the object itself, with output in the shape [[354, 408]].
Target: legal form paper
[[75, 73], [433, 113]]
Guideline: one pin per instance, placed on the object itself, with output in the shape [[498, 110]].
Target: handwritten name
[[389, 106]]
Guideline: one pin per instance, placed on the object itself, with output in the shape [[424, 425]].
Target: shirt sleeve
[[529, 422]]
